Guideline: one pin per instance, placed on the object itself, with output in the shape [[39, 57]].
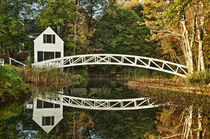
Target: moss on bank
[[11, 85]]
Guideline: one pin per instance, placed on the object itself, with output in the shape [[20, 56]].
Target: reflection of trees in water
[[77, 124], [103, 88], [125, 124], [176, 122]]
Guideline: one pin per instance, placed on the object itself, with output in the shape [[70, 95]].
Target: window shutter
[[53, 38], [44, 38]]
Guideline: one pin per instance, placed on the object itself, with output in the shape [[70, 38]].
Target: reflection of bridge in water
[[103, 104], [115, 59], [48, 111]]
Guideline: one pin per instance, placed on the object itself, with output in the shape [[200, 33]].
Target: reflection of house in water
[[46, 115]]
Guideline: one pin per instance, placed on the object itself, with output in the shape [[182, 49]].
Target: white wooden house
[[48, 45]]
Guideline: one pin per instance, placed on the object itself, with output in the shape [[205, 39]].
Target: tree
[[182, 21], [13, 36], [121, 31], [11, 28], [93, 9], [71, 26]]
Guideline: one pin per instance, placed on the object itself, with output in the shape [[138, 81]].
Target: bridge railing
[[1, 62], [12, 61], [116, 59]]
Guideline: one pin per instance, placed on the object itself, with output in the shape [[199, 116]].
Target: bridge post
[[149, 63], [135, 60], [122, 59]]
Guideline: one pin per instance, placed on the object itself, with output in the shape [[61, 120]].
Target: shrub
[[4, 56], [11, 85], [200, 77], [21, 55]]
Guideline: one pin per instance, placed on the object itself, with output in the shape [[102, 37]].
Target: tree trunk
[[199, 133], [186, 47], [200, 30], [187, 131]]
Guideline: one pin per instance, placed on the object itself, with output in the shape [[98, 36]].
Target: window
[[57, 54], [40, 56], [48, 55], [49, 38], [47, 120]]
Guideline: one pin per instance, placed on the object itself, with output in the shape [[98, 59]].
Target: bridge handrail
[[12, 59], [115, 59], [142, 57]]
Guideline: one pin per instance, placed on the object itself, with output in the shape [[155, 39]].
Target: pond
[[41, 118]]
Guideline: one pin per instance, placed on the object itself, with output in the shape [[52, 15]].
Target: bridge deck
[[115, 59]]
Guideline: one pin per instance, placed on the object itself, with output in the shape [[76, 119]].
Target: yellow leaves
[[131, 3], [7, 85], [140, 23]]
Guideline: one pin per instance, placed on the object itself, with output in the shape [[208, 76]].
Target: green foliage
[[138, 72], [67, 20], [122, 31], [12, 34], [11, 110], [200, 77], [11, 85], [93, 9], [8, 116]]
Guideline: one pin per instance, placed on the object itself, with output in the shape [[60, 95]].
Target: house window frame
[[49, 38]]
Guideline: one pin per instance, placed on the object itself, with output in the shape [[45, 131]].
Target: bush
[[4, 56], [11, 85], [200, 77], [21, 56]]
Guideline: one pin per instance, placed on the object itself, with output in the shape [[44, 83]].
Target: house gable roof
[[48, 31]]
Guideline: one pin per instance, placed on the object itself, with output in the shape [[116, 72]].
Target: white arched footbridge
[[102, 104], [115, 59]]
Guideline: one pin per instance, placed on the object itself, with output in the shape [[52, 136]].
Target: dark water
[[42, 119]]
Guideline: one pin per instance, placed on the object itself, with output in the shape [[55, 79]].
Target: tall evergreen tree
[[11, 28], [122, 31], [12, 15]]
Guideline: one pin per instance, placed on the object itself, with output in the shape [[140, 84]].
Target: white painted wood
[[1, 62], [115, 59], [48, 47], [103, 104], [15, 61]]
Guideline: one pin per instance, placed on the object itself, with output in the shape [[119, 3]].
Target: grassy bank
[[45, 77], [169, 84], [177, 90], [12, 87]]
